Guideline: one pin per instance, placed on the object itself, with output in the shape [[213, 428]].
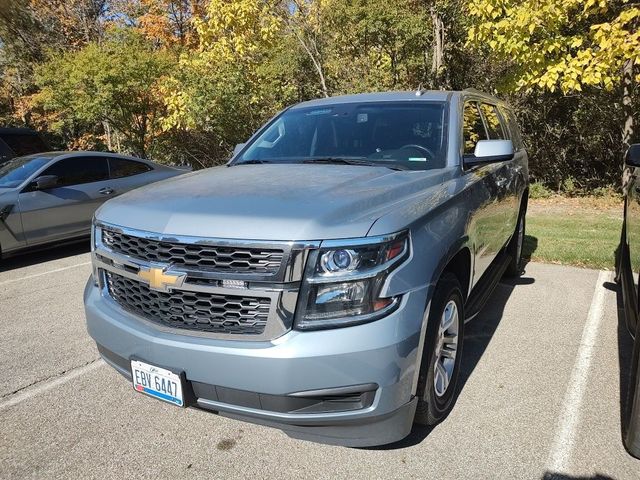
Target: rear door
[[66, 210], [127, 174], [632, 228]]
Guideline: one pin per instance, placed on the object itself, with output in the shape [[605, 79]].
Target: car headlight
[[95, 236], [344, 279]]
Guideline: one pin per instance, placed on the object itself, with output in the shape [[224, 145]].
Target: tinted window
[[512, 127], [492, 121], [79, 170], [24, 144], [473, 128], [15, 171], [125, 168], [407, 135]]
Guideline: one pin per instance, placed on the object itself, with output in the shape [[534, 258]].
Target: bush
[[538, 190]]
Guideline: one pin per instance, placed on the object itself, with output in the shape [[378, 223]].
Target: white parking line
[[62, 269], [562, 447], [47, 385]]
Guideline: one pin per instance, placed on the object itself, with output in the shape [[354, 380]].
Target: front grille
[[196, 256], [206, 312]]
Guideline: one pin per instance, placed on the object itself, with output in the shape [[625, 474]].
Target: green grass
[[586, 238]]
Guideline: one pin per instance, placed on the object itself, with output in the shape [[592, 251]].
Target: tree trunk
[[107, 131], [437, 56], [317, 63]]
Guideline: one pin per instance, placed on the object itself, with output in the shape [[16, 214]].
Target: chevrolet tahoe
[[320, 281]]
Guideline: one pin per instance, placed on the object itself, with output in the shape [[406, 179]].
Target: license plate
[[157, 382]]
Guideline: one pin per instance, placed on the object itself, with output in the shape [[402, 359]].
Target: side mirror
[[45, 182], [237, 148], [632, 157], [490, 151]]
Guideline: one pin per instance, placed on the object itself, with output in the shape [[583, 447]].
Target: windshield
[[15, 171], [408, 136]]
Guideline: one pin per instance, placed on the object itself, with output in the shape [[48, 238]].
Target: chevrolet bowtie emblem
[[161, 281]]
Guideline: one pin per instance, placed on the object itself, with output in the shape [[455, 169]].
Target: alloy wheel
[[446, 348]]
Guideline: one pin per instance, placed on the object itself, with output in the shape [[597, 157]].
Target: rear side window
[[79, 170], [492, 121], [120, 167], [513, 129], [473, 128]]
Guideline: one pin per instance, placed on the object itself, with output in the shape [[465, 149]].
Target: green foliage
[[376, 46], [538, 190], [112, 84], [564, 44], [186, 85]]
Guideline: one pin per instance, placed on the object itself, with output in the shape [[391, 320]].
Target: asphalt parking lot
[[540, 395]]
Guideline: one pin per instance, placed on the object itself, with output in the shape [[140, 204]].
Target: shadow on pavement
[[562, 476], [625, 358], [34, 257], [529, 246], [477, 336]]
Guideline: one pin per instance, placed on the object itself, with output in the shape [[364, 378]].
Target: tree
[[113, 84], [362, 45], [561, 44], [169, 22], [225, 87]]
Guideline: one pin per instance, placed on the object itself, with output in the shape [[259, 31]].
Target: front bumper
[[262, 382]]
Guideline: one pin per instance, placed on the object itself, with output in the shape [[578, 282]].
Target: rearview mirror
[[45, 182], [237, 148], [632, 157], [490, 151]]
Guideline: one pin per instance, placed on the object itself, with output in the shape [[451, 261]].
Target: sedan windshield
[[399, 135], [16, 170]]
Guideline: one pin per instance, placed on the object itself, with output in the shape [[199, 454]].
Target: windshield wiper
[[352, 161], [252, 162]]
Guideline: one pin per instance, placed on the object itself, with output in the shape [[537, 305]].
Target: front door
[[488, 195], [66, 210]]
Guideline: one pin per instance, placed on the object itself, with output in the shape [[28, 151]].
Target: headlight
[[95, 235], [344, 279]]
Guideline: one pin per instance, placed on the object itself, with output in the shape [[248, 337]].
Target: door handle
[[501, 182], [106, 191]]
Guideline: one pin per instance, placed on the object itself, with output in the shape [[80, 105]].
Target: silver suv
[[321, 280]]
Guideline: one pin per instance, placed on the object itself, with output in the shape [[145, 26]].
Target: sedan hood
[[270, 202]]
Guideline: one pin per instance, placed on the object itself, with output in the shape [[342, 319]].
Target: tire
[[435, 400], [621, 251], [514, 249]]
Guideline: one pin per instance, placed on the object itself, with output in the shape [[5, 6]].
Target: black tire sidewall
[[448, 289], [515, 265]]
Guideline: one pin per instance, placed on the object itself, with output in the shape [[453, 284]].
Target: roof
[[81, 153], [17, 131], [406, 96]]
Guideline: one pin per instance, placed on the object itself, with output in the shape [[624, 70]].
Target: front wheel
[[440, 366]]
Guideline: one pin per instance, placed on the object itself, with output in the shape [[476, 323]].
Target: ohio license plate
[[157, 382]]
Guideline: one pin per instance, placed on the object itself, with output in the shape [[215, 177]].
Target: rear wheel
[[514, 249], [442, 354]]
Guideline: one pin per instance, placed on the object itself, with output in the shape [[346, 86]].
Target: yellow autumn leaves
[[554, 44]]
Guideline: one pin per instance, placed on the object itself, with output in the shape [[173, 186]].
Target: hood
[[269, 202]]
